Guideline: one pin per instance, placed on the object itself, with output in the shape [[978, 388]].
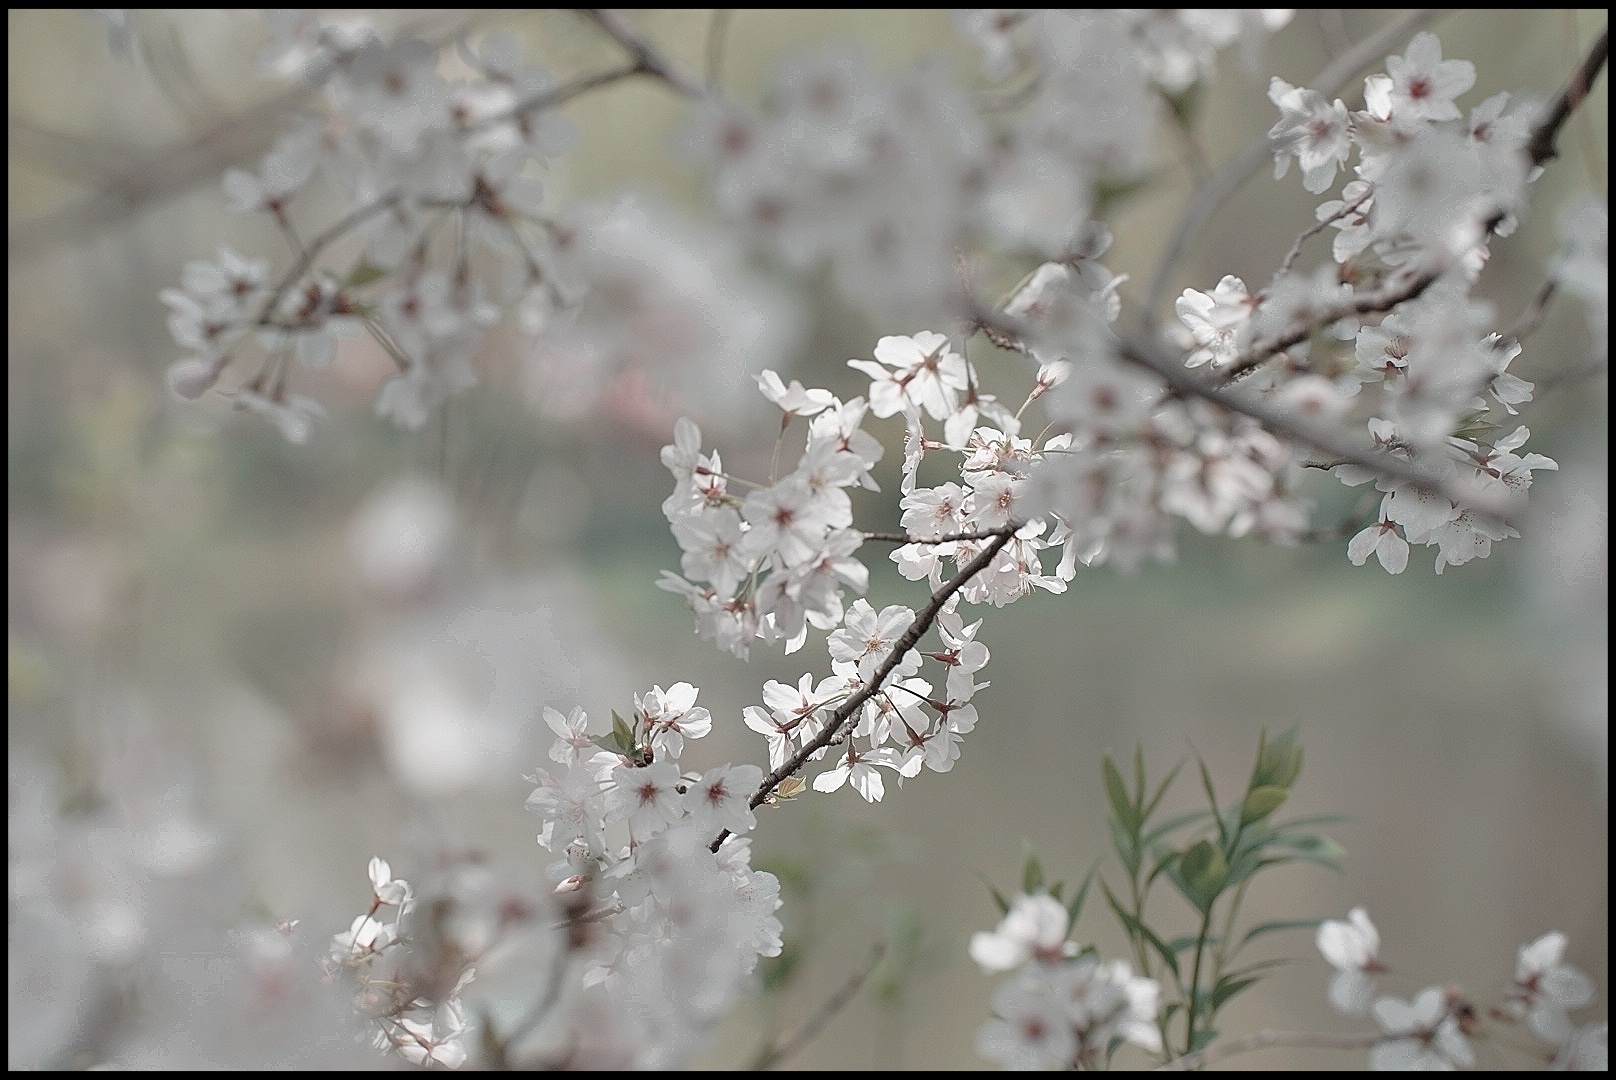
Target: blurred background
[[212, 633]]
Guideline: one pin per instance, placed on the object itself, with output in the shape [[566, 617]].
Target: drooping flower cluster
[[1427, 378], [665, 931], [1434, 1030], [418, 154], [1062, 1008]]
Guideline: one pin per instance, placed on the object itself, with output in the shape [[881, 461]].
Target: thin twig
[[1258, 1040], [905, 538], [1533, 316], [911, 637], [1307, 234], [646, 56], [717, 37], [1227, 180], [773, 1055]]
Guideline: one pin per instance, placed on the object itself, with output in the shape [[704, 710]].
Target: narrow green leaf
[[1317, 819], [998, 898], [1075, 908], [1155, 800], [1138, 929], [1228, 988], [1032, 873], [1202, 1039], [1177, 821], [1212, 800], [1139, 777], [1185, 942], [1314, 844], [1117, 795], [1124, 844], [1263, 929], [1164, 865], [1261, 802]]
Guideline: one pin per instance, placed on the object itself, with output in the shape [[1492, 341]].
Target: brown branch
[[646, 57], [1541, 145], [773, 1055], [1258, 1040], [905, 538], [911, 637]]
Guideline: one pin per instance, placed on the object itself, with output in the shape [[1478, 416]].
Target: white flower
[[1032, 1029], [1217, 322], [648, 797], [794, 400], [1389, 547], [1423, 84], [394, 892], [1351, 948], [925, 372], [1421, 1034], [1545, 988], [1034, 927], [1315, 130], [719, 799], [867, 639]]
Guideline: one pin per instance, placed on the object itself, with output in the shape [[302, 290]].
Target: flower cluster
[[1062, 1008], [1434, 1030], [664, 931], [1429, 191]]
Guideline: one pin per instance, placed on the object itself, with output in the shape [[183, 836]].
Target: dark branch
[[911, 637]]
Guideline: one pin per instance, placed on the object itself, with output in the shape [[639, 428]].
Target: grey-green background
[[194, 561]]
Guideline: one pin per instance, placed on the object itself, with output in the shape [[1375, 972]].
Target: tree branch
[[1541, 145], [646, 57], [773, 1055], [1258, 1040], [911, 637]]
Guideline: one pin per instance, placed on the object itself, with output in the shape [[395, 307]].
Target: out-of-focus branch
[[145, 179], [1227, 180], [646, 56], [1541, 144], [1257, 1040], [774, 1055]]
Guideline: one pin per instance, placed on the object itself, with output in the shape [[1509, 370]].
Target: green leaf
[[1202, 1039], [1262, 929], [998, 897], [1262, 801], [1177, 821], [1167, 864], [1126, 849], [1138, 929], [1121, 806], [1139, 776], [1032, 873], [1212, 799], [1228, 988], [363, 275], [1204, 873], [1155, 800], [1186, 942], [1317, 819], [1278, 761], [1311, 844], [1075, 908]]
